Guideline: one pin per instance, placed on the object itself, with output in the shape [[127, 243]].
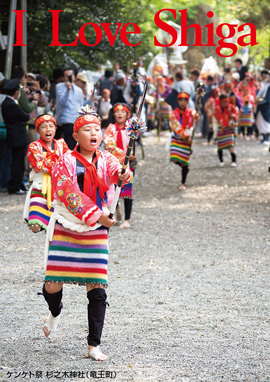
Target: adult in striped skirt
[[83, 183], [226, 114], [116, 140], [42, 156], [182, 124]]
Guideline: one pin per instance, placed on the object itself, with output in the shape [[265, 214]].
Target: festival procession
[[134, 208]]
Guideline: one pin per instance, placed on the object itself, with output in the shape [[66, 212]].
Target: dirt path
[[189, 283]]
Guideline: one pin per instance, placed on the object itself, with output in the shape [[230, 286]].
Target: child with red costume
[[182, 119], [42, 156], [78, 251], [226, 114], [116, 140]]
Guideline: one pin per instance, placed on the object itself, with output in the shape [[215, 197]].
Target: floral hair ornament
[[44, 118], [86, 115]]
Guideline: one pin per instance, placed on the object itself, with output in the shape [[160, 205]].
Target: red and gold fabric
[[224, 116], [41, 163]]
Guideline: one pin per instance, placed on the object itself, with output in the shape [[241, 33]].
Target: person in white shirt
[[105, 107], [69, 99]]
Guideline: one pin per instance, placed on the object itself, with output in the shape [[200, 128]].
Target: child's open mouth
[[93, 141]]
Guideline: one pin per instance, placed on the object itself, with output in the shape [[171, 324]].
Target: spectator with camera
[[34, 94], [27, 105], [69, 99]]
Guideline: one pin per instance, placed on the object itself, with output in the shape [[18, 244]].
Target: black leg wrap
[[128, 208], [185, 171], [96, 315], [233, 157], [54, 301], [220, 155]]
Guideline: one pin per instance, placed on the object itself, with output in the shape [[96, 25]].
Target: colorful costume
[[246, 116], [225, 135], [181, 124], [78, 252], [38, 209], [116, 140]]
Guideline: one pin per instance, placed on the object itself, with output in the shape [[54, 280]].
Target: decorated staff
[[133, 127], [136, 93]]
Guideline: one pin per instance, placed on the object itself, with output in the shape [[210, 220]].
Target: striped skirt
[[78, 257], [180, 151], [151, 112], [246, 120], [126, 191], [164, 110], [225, 139], [38, 210]]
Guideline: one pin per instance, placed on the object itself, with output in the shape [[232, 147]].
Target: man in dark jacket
[[241, 69], [15, 121]]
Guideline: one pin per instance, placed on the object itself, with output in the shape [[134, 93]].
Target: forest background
[[43, 58]]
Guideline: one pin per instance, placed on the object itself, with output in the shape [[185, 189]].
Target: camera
[[29, 83], [70, 78]]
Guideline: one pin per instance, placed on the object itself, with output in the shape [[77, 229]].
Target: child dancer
[[42, 156], [181, 124], [226, 114], [116, 140], [78, 253]]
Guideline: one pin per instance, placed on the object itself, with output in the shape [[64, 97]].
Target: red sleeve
[[68, 192], [38, 161], [113, 166], [110, 143]]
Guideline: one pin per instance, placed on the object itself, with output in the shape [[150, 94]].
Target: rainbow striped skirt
[[246, 120], [225, 139], [126, 191], [78, 257], [180, 151], [38, 210]]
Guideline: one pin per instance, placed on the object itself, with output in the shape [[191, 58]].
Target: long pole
[[24, 48], [11, 31]]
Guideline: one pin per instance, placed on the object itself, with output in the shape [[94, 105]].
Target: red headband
[[44, 118], [106, 91], [85, 120], [121, 107], [183, 95]]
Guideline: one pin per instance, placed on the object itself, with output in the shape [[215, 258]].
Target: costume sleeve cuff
[[91, 217]]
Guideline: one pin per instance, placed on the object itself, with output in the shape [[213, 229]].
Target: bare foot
[[50, 325], [95, 353], [46, 331], [35, 228], [126, 224], [118, 213], [182, 187]]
